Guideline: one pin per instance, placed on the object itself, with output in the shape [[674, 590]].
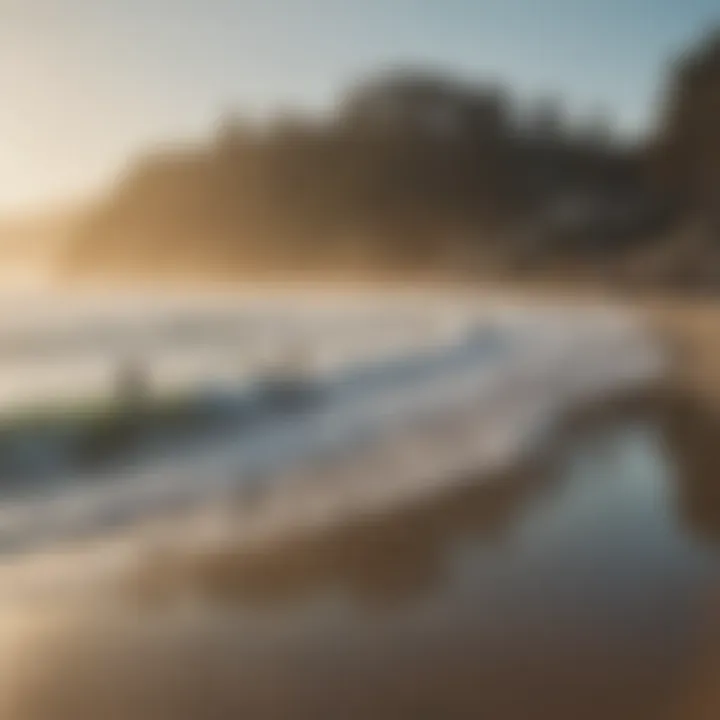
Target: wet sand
[[584, 586]]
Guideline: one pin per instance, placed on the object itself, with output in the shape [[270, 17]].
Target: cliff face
[[689, 138]]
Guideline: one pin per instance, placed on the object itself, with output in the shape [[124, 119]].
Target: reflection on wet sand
[[378, 559], [587, 590], [693, 432]]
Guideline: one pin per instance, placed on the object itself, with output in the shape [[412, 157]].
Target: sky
[[87, 85]]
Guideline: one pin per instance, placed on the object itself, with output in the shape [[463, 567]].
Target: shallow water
[[585, 587], [506, 377]]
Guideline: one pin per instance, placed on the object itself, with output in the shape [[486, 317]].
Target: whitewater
[[411, 393]]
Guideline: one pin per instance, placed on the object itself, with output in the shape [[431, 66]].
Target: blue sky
[[88, 83]]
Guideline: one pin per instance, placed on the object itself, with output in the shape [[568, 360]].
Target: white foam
[[469, 411]]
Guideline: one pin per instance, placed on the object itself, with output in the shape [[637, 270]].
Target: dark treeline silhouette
[[417, 171]]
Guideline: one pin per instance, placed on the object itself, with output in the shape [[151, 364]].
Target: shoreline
[[312, 498]]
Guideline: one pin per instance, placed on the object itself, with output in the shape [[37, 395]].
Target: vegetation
[[43, 439], [416, 171]]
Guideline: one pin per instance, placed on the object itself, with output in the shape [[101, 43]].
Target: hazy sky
[[87, 83]]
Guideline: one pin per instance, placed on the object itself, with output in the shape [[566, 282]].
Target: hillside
[[418, 172]]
